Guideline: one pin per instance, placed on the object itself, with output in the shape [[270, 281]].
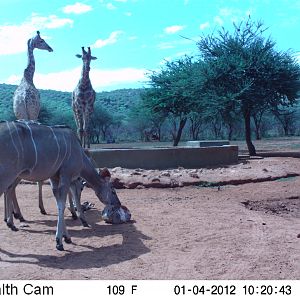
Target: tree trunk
[[286, 129], [250, 146], [159, 133], [230, 131], [257, 132], [179, 131], [257, 123]]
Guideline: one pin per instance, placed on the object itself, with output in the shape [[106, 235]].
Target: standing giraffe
[[26, 97], [83, 99], [26, 100]]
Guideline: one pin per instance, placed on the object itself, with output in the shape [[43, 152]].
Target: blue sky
[[129, 37]]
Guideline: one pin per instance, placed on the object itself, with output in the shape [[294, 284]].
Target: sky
[[130, 38]]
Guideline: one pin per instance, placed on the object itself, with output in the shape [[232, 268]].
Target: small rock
[[140, 187], [264, 223], [194, 175], [155, 180], [298, 236], [136, 173], [116, 169], [117, 183], [167, 174]]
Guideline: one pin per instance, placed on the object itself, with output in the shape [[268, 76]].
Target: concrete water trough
[[165, 158], [207, 143]]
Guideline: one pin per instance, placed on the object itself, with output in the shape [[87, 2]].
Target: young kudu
[[37, 152]]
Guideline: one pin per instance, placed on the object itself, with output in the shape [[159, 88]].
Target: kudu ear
[[104, 173], [78, 55], [93, 57]]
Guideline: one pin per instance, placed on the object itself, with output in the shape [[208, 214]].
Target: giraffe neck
[[85, 76], [29, 71]]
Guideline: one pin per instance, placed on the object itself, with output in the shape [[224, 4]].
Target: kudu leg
[[41, 203], [16, 208], [60, 190], [8, 195], [11, 199], [75, 189], [72, 207]]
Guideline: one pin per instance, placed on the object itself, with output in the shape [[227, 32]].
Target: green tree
[[174, 92], [101, 120], [245, 68], [287, 118]]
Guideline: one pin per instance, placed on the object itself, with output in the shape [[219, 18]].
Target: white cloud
[[186, 2], [13, 79], [232, 15], [132, 38], [175, 56], [13, 38], [173, 29], [112, 39], [225, 12], [128, 14], [218, 20], [110, 6], [204, 25], [121, 1], [77, 8], [50, 22], [101, 79]]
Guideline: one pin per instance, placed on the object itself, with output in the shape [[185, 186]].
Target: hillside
[[58, 104]]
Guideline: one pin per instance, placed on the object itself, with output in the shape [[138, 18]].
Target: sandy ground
[[242, 231]]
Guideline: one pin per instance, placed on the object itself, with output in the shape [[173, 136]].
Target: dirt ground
[[240, 229]]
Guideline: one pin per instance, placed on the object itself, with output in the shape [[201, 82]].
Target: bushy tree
[[174, 92], [101, 121], [245, 70]]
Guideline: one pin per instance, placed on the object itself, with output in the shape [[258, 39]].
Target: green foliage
[[244, 73], [175, 92], [111, 109], [174, 88], [6, 105]]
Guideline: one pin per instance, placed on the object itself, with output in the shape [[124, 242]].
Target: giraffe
[[26, 100], [83, 98]]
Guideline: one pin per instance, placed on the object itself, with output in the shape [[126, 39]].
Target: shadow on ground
[[88, 256]]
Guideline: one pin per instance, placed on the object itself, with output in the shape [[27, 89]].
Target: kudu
[[74, 196], [37, 152]]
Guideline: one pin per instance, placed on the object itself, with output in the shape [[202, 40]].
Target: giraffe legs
[[79, 124], [86, 131]]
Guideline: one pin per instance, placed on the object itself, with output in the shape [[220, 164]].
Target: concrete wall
[[163, 158], [207, 143]]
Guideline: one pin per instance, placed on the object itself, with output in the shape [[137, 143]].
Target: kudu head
[[106, 192], [113, 212]]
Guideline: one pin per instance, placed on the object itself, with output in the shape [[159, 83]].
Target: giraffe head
[[86, 56], [39, 43]]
